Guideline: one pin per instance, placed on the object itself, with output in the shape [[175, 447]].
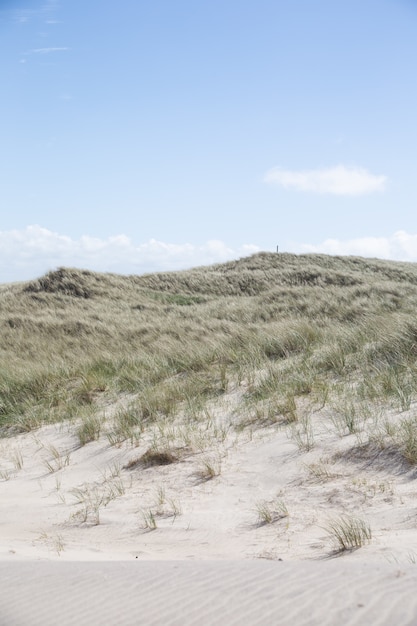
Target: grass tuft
[[89, 429], [270, 512], [349, 533], [152, 457]]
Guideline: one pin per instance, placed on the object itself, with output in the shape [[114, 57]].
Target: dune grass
[[349, 533], [292, 331]]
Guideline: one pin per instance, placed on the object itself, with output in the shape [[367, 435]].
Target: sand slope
[[86, 538], [66, 502]]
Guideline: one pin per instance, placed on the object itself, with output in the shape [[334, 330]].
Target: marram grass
[[286, 327], [349, 533]]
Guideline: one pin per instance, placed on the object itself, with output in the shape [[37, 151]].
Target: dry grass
[[153, 457], [208, 468], [270, 512], [349, 533], [281, 326]]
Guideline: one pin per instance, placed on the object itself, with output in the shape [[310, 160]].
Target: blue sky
[[141, 136]]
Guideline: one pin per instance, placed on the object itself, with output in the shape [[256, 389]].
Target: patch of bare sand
[[225, 593]]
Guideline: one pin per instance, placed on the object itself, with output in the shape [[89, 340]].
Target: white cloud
[[338, 180], [48, 50], [31, 252], [400, 246]]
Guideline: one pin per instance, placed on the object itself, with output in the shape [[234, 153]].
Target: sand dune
[[61, 501], [89, 536]]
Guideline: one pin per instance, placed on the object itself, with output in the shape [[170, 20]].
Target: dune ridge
[[232, 444]]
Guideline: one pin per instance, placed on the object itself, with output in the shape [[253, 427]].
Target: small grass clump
[[208, 468], [350, 413], [270, 512], [349, 533], [149, 519], [128, 424], [91, 498], [153, 457], [57, 461], [321, 471], [302, 434], [163, 508], [89, 429], [407, 439]]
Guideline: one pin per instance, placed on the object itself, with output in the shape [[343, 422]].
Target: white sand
[[285, 572], [227, 593]]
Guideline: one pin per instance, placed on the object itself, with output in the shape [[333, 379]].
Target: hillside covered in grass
[[294, 328]]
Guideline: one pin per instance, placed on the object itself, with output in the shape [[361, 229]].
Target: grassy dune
[[296, 332]]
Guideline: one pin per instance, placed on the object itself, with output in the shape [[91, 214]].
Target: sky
[[144, 136]]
